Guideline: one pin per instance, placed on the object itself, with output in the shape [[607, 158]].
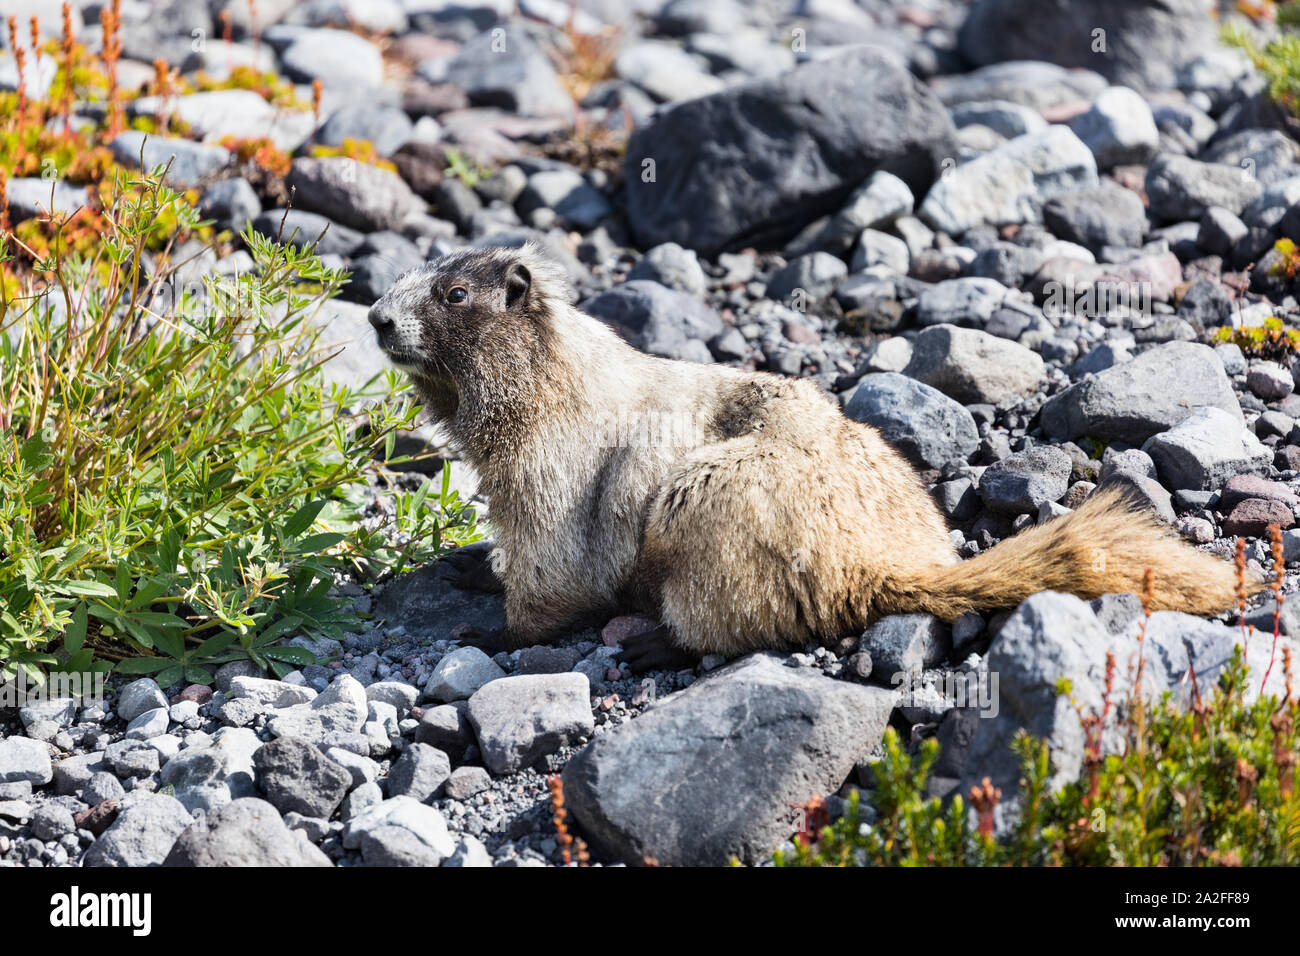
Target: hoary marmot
[[741, 509]]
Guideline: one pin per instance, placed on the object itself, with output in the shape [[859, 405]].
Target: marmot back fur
[[742, 508]]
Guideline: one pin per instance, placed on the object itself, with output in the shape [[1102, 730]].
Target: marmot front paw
[[653, 650], [474, 565]]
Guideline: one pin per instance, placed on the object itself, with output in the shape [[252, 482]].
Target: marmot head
[[468, 310]]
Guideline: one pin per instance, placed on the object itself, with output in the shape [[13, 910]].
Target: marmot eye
[[457, 295]]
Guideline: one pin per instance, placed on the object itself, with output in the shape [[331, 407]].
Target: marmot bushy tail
[[742, 509], [1102, 548]]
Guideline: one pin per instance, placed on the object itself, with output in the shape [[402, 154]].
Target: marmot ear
[[518, 281]]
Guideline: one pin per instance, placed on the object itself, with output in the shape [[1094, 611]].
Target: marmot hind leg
[[739, 542]]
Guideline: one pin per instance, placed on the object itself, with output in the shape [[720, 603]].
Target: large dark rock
[[1145, 41], [427, 604], [718, 769], [1053, 636], [754, 164]]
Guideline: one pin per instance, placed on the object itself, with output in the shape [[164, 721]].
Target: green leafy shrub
[[179, 486], [1213, 784]]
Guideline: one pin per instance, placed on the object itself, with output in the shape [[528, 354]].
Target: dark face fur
[[442, 322]]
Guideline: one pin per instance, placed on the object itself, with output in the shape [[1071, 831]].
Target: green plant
[[1278, 61], [1210, 784], [1272, 340], [360, 150], [464, 168], [179, 486]]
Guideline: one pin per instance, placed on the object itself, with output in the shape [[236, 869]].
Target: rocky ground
[[1009, 249]]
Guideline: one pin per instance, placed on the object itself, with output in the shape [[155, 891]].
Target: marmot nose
[[379, 317]]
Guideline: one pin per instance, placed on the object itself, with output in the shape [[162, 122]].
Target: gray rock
[[670, 265], [920, 421], [422, 822], [807, 279], [658, 320], [839, 120], [399, 695], [968, 301], [877, 248], [25, 759], [232, 202], [1053, 636], [72, 774], [504, 68], [447, 728], [362, 797], [1119, 129], [518, 719], [419, 773], [465, 782], [303, 229], [360, 768], [211, 774], [1108, 215], [1010, 184], [1269, 381], [1147, 41], [342, 708], [903, 644], [59, 710], [142, 835], [973, 366], [469, 852], [52, 821], [1005, 118], [244, 114], [875, 205], [574, 200], [387, 127], [376, 273], [1038, 85], [246, 832], [772, 737], [152, 723], [30, 197], [353, 193], [1024, 482], [426, 604], [297, 777], [101, 788], [269, 693], [1205, 450], [1181, 188], [338, 58], [1134, 400], [460, 673], [189, 163], [390, 846], [665, 71], [139, 696], [1220, 231]]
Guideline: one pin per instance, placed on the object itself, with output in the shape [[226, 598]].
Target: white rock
[[1009, 185], [1119, 129], [460, 673]]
